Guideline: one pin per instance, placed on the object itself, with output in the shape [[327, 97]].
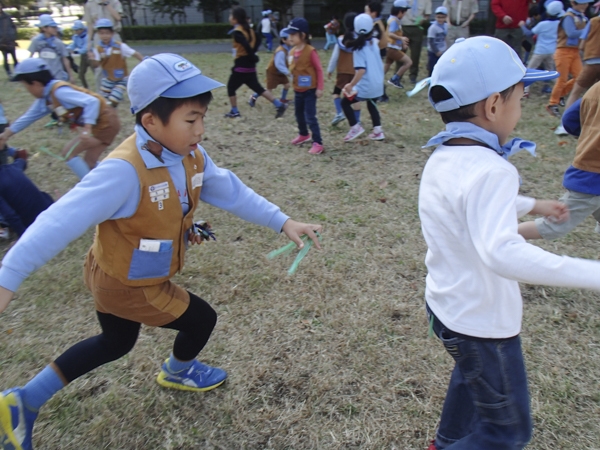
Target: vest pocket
[[118, 73], [304, 81], [150, 264]]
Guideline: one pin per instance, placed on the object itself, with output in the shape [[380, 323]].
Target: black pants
[[119, 336], [371, 106], [13, 53], [238, 79]]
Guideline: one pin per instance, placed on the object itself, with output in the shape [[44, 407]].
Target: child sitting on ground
[[111, 57]]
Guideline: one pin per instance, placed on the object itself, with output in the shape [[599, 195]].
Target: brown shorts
[[110, 126], [589, 75], [275, 79], [393, 55], [342, 79], [155, 305]]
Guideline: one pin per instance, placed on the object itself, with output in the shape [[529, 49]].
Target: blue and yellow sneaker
[[199, 377], [16, 421]]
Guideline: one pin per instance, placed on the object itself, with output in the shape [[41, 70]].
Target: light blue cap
[[78, 25], [46, 20], [441, 10], [103, 23], [581, 2], [473, 69], [30, 65], [401, 4], [555, 9], [166, 75], [363, 24]]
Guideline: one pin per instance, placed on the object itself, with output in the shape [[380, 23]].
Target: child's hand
[[348, 89], [295, 230], [556, 210], [5, 297], [319, 93]]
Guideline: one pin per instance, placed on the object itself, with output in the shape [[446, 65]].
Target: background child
[[373, 9], [468, 206], [8, 39], [341, 62], [51, 49], [397, 43], [582, 179], [309, 83], [111, 56], [366, 85], [245, 46], [265, 27], [278, 72], [143, 228], [331, 32], [74, 106], [79, 47], [566, 57], [436, 37]]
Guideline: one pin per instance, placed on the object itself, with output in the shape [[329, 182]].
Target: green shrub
[[178, 32], [26, 34]]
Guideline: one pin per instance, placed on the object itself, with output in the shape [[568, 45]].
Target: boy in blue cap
[[468, 206], [51, 49], [79, 47], [436, 37], [151, 185], [74, 106]]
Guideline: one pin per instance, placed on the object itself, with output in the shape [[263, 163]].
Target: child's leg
[[561, 61], [106, 87], [406, 64], [284, 91], [6, 66], [337, 100], [118, 92], [374, 113], [310, 111], [299, 106], [236, 80], [349, 111], [83, 67]]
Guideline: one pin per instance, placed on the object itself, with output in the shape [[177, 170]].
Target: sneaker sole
[[7, 436], [354, 137], [377, 138], [300, 143], [335, 122], [161, 379]]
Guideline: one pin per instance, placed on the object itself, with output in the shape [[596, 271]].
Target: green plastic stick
[[285, 249], [300, 257], [72, 148], [48, 152]]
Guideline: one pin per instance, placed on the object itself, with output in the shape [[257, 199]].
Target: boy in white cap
[[111, 56], [265, 29], [79, 47], [436, 37], [151, 185], [74, 106], [51, 49], [468, 206]]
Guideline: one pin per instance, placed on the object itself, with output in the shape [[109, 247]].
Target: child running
[[566, 57], [150, 188], [367, 83], [468, 206], [111, 56], [79, 47], [436, 37], [341, 62], [51, 49], [309, 83], [278, 72], [397, 43], [74, 106], [245, 46]]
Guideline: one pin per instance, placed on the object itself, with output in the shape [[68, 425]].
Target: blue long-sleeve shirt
[[79, 44], [112, 191], [568, 24], [280, 61], [68, 97]]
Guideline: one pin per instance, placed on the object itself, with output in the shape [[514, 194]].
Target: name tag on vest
[[159, 192], [304, 80], [47, 54], [197, 180]]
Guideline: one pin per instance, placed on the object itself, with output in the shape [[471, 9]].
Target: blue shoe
[[233, 115], [199, 377], [546, 90], [395, 83], [338, 118], [16, 421], [281, 110], [252, 101]]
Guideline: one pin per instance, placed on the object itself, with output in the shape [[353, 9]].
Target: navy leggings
[[305, 104]]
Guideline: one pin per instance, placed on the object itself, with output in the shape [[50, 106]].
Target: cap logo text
[[182, 66]]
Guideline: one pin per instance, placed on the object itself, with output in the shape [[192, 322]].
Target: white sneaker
[[560, 131], [377, 134], [354, 132]]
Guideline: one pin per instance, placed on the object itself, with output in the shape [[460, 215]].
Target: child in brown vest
[[111, 56], [74, 106], [142, 198], [307, 73]]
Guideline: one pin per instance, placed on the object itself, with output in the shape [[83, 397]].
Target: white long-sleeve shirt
[[469, 205]]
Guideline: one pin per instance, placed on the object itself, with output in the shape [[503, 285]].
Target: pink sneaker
[[377, 134], [316, 149], [354, 132], [301, 139]]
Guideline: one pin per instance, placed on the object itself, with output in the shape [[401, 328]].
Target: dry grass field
[[334, 357]]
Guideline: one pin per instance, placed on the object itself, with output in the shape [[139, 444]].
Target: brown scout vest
[[562, 35], [591, 47], [345, 63], [383, 39], [399, 32], [302, 66], [113, 65], [156, 217], [271, 67], [71, 116], [587, 155], [250, 37]]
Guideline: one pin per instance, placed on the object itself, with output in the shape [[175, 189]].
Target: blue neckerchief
[[50, 40], [287, 47], [107, 46], [469, 130]]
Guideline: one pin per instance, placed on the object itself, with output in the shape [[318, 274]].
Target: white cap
[[401, 4], [363, 24]]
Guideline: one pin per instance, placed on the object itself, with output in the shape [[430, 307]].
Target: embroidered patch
[[197, 180], [159, 192], [182, 66]]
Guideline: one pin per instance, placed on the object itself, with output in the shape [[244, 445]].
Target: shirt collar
[[577, 13], [48, 87], [152, 152]]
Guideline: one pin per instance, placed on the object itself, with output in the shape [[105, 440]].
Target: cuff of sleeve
[[277, 221], [525, 206], [9, 279]]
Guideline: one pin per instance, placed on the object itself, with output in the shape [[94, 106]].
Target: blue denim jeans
[[487, 404], [268, 41], [305, 104], [331, 40]]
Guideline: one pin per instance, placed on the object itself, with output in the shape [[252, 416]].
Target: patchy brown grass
[[335, 357]]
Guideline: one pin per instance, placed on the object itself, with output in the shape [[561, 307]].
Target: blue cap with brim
[[284, 34], [166, 75], [473, 69], [298, 25], [30, 65], [46, 20], [78, 25], [103, 23]]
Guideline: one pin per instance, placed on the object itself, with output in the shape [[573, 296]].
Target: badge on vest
[[197, 180], [47, 54], [304, 80], [158, 193]]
